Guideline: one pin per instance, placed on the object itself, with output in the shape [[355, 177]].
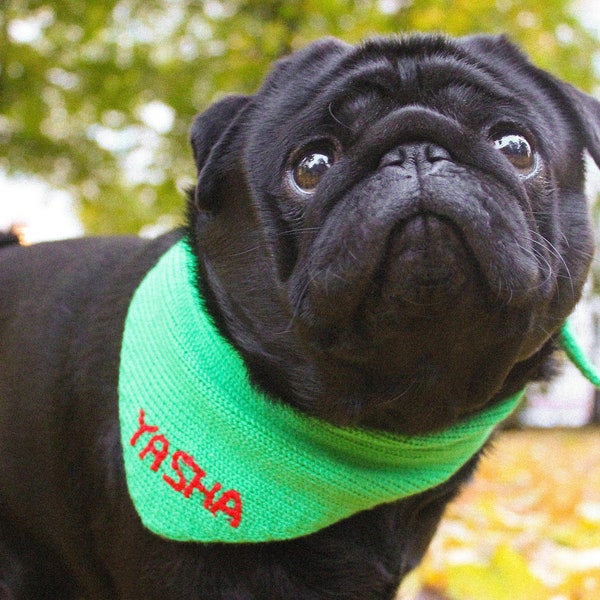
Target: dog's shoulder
[[64, 284], [73, 262]]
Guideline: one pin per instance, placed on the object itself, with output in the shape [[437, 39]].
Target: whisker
[[330, 111]]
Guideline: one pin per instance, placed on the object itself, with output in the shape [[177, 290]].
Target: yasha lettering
[[228, 502]]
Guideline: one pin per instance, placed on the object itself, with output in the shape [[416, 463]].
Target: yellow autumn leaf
[[526, 528], [507, 574]]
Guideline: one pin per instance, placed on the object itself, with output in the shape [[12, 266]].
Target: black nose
[[420, 156]]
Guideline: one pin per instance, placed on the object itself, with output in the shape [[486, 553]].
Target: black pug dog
[[390, 235]]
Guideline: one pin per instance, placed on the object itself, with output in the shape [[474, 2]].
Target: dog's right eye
[[518, 151], [309, 168]]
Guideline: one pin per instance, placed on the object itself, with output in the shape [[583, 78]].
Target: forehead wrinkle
[[378, 77], [376, 88], [390, 77]]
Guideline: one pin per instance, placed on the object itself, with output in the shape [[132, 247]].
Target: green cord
[[577, 356]]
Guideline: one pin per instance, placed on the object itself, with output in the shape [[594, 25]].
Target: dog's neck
[[210, 458]]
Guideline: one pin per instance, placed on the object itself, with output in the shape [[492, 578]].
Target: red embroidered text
[[188, 474]]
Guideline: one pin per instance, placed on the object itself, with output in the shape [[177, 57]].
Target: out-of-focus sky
[[46, 213]]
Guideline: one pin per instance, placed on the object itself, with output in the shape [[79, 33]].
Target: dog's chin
[[418, 378], [396, 371]]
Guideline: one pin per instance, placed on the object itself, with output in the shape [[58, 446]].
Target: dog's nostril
[[413, 154], [395, 157], [433, 153]]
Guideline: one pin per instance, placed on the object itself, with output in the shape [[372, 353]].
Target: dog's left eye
[[309, 169], [518, 151]]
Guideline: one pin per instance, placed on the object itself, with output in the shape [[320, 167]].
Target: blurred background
[[97, 96], [96, 99]]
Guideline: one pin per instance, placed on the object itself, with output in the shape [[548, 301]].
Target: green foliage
[[77, 79]]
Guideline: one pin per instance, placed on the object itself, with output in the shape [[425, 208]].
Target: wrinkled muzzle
[[418, 213]]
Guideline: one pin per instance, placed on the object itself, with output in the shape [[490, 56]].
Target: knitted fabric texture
[[209, 458]]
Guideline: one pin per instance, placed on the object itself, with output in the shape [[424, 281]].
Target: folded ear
[[212, 138], [586, 111]]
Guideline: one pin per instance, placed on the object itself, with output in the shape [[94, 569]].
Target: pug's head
[[392, 234]]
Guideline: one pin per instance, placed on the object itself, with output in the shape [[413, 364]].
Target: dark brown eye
[[518, 151], [309, 169]]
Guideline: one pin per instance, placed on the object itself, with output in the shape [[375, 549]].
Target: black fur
[[8, 238], [423, 279]]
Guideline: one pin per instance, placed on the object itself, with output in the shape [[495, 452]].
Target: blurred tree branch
[[97, 97]]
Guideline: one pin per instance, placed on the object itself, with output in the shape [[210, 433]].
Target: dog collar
[[209, 458]]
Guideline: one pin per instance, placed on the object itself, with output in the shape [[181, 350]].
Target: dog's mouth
[[383, 262], [426, 263], [425, 275]]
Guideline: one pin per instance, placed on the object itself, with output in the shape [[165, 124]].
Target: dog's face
[[391, 234]]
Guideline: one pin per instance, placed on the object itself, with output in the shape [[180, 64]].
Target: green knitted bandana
[[211, 459]]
